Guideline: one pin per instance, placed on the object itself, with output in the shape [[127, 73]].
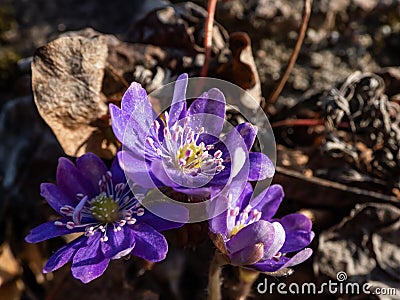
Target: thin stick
[[338, 186], [297, 122], [306, 122], [293, 57], [208, 36], [115, 73]]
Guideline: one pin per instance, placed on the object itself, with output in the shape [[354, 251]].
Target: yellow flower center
[[190, 156], [236, 229]]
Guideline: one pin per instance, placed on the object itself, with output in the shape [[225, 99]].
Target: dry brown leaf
[[67, 77], [365, 245], [241, 70], [9, 267]]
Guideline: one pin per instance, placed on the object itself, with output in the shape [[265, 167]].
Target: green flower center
[[104, 208]]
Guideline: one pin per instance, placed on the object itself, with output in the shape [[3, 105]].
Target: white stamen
[[131, 221], [70, 225], [140, 212]]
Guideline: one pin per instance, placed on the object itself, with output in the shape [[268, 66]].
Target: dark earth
[[339, 167]]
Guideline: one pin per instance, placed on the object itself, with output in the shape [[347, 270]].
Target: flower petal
[[178, 106], [135, 103], [258, 232], [172, 177], [298, 232], [150, 244], [300, 257], [89, 262], [119, 121], [174, 211], [134, 121], [278, 241], [245, 196], [234, 150], [55, 197], [261, 167], [268, 201], [208, 111], [218, 222], [118, 175], [294, 222], [63, 255], [48, 230], [271, 265], [248, 133], [118, 242], [137, 170], [70, 180], [157, 168], [92, 168], [248, 255], [128, 130]]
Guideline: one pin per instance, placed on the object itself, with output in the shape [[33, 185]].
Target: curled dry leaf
[[67, 77], [242, 70], [365, 245]]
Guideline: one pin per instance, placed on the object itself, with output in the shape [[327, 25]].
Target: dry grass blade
[[293, 57]]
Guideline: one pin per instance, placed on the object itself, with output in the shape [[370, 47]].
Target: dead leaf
[[241, 70], [9, 266], [365, 245], [67, 77]]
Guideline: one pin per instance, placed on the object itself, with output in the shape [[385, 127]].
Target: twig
[[214, 276], [338, 186], [110, 68], [208, 35], [293, 57], [305, 122], [297, 122]]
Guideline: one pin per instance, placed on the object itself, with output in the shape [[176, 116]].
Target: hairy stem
[[247, 278], [214, 276]]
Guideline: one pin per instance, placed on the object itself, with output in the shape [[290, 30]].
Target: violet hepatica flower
[[249, 236], [183, 148], [100, 204]]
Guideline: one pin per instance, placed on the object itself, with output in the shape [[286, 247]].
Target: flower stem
[[247, 278], [214, 276]]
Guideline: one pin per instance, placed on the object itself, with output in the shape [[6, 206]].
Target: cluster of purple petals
[[182, 149], [251, 237], [99, 204]]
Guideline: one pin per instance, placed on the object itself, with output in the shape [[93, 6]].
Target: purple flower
[[100, 204], [249, 236], [182, 148]]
